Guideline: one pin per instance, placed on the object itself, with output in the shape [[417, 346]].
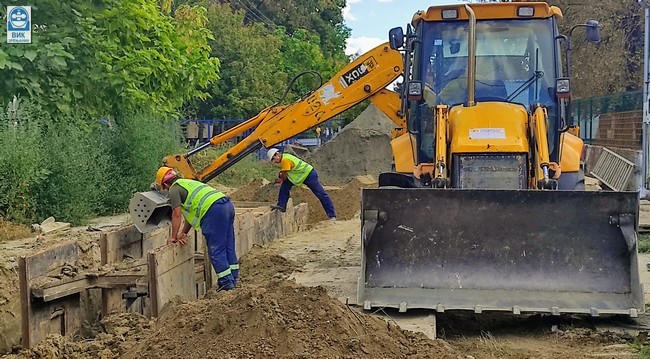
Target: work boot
[[226, 285], [332, 218], [281, 209]]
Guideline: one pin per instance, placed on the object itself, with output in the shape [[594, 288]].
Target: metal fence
[[586, 112]]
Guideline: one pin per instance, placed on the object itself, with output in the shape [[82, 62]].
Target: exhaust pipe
[[471, 57]]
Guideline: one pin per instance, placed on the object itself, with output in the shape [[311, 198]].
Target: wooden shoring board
[[70, 286], [59, 316], [155, 239], [116, 246], [122, 244], [171, 274]]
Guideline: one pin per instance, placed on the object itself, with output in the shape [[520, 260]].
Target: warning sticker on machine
[[486, 133]]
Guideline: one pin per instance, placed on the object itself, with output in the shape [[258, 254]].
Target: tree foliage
[[249, 54], [615, 64], [259, 58], [323, 18], [109, 56]]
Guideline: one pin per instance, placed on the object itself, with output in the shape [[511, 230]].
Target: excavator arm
[[367, 76]]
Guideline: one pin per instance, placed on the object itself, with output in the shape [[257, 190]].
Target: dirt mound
[[117, 335], [270, 316], [362, 147], [279, 319], [347, 200], [267, 317]]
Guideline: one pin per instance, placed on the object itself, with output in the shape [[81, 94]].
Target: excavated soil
[[346, 199], [269, 316], [361, 148]]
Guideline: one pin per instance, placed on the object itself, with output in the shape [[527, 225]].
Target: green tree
[[250, 76], [105, 57]]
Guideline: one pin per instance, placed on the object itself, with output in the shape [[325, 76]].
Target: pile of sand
[[279, 319], [361, 148], [346, 199], [270, 316]]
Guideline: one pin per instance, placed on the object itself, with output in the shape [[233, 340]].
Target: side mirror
[[593, 31], [396, 38]]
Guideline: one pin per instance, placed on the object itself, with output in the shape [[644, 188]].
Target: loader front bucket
[[500, 250], [150, 210]]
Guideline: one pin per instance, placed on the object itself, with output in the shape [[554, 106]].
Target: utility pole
[[646, 99]]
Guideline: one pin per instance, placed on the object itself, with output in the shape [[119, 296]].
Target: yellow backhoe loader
[[486, 208]]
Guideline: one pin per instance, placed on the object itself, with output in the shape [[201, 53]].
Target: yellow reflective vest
[[200, 197], [300, 169]]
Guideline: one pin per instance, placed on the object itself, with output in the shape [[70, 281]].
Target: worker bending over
[[294, 172], [209, 211]]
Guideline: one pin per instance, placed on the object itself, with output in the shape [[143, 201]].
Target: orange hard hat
[[164, 174]]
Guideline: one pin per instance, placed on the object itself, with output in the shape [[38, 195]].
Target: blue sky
[[370, 20]]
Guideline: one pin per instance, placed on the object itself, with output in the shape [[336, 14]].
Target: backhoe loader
[[486, 208]]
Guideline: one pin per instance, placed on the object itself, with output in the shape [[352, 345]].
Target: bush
[[23, 166], [74, 169], [77, 163], [138, 143]]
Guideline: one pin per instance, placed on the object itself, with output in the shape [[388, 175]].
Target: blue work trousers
[[217, 226], [314, 185]]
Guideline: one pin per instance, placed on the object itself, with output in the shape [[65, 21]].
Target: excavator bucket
[[500, 250], [150, 210]]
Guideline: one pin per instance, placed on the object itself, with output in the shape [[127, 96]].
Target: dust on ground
[[346, 199]]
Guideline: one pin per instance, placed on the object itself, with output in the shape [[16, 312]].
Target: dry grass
[[10, 231]]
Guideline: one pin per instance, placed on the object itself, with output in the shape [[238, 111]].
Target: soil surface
[[297, 299], [346, 199], [285, 307]]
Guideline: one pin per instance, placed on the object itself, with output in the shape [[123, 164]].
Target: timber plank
[[69, 286], [171, 274], [39, 318], [120, 244]]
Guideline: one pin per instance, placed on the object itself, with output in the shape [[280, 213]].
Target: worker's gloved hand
[[278, 180], [155, 187]]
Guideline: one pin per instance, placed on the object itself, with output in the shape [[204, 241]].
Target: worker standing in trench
[[209, 211], [295, 172]]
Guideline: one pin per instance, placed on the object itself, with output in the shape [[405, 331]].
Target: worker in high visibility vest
[[209, 211], [295, 172]]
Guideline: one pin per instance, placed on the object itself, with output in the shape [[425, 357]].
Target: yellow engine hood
[[488, 127]]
